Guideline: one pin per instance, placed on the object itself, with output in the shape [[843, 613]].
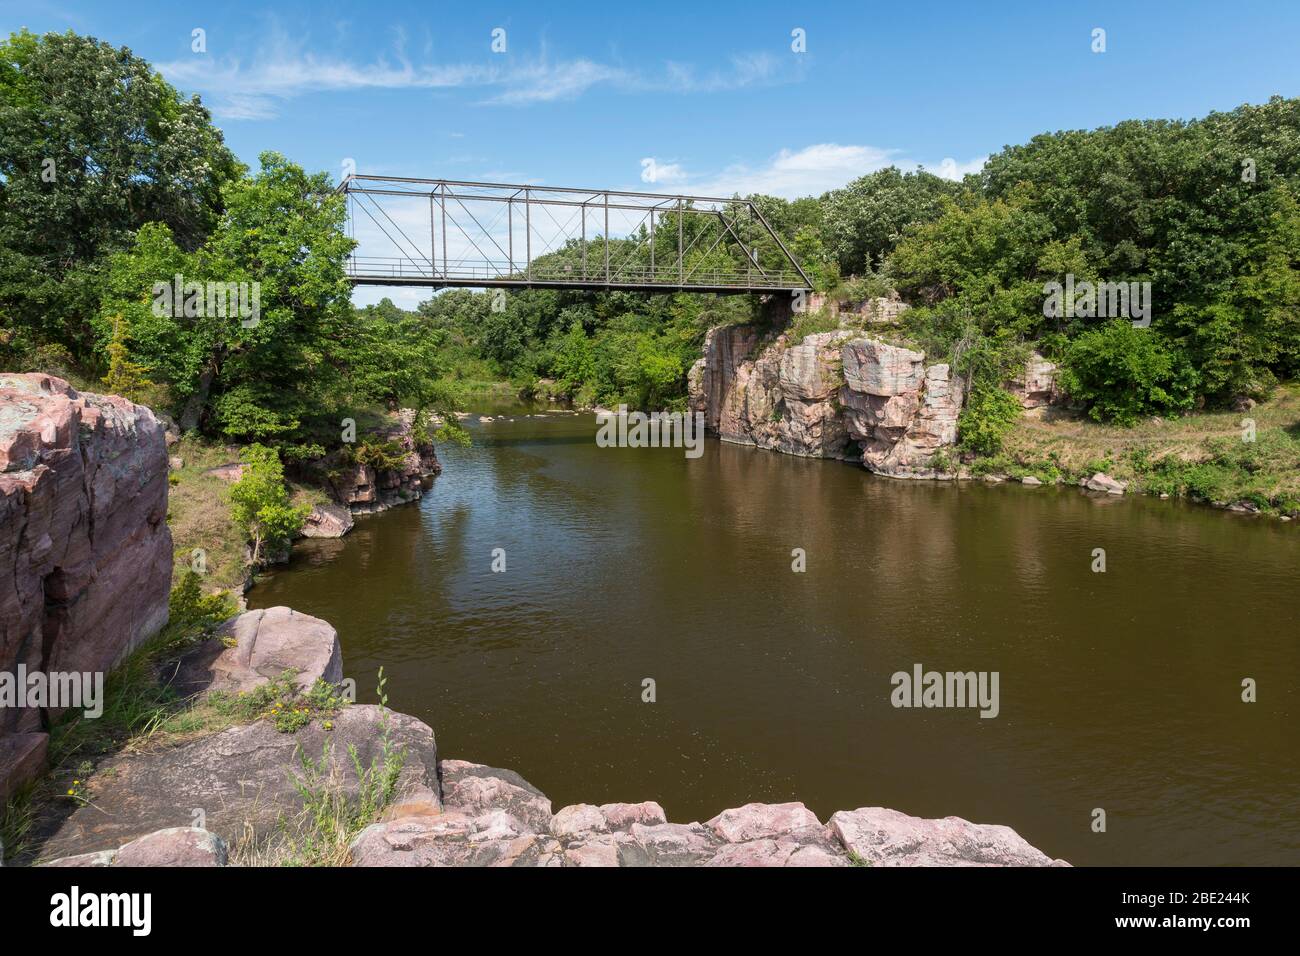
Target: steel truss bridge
[[443, 233]]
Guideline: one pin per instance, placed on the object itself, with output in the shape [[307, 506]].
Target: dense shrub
[[1124, 373], [989, 413]]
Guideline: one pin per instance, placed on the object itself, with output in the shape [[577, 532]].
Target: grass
[[198, 513], [309, 495], [17, 818], [1200, 456], [805, 324]]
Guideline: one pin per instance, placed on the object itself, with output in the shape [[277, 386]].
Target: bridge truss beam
[[444, 233]]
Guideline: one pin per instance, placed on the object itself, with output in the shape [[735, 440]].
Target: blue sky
[[713, 92]]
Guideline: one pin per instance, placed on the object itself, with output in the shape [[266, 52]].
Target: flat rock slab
[[241, 776], [266, 644], [883, 837], [327, 520], [175, 846]]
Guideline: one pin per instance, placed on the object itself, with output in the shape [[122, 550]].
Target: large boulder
[[85, 554], [259, 646], [876, 368], [883, 837], [1104, 482], [327, 520], [243, 779]]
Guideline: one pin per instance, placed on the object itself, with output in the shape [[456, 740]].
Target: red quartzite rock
[[174, 846], [837, 394], [22, 758], [85, 554], [267, 643], [490, 817], [245, 778], [363, 490], [883, 837]]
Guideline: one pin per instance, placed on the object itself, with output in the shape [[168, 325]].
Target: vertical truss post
[[607, 238], [750, 255], [444, 230], [681, 265], [433, 242], [528, 233], [510, 229], [652, 245], [583, 211]]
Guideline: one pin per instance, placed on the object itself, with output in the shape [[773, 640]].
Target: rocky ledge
[[363, 489], [840, 394], [245, 782], [490, 817], [834, 394]]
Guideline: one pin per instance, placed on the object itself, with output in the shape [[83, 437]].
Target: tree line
[[111, 180]]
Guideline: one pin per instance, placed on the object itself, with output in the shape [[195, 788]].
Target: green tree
[[253, 377], [865, 219], [989, 414], [260, 502], [93, 145], [125, 378]]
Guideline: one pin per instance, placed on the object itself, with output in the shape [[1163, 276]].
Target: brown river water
[[1118, 690]]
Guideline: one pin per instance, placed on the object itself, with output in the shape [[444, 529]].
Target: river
[[1118, 690]]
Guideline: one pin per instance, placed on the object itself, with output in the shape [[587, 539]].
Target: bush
[[379, 455], [190, 609], [989, 414], [1125, 373]]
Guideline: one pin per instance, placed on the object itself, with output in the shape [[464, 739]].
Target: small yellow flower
[[70, 792]]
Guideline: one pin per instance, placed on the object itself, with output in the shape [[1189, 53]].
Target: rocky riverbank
[[849, 394], [247, 780], [838, 394]]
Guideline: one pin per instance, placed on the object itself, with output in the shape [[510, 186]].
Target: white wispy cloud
[[792, 173], [256, 87], [807, 171], [949, 168]]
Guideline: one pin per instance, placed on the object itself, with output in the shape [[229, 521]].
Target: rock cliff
[[364, 489], [85, 553], [838, 394]]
